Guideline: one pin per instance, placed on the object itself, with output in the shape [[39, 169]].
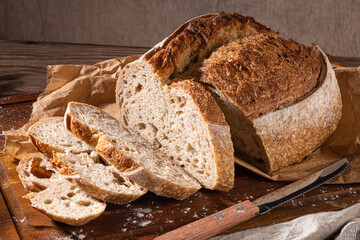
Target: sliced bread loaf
[[280, 98], [129, 152], [71, 158], [55, 196]]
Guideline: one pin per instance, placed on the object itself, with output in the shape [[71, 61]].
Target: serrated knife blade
[[243, 211]]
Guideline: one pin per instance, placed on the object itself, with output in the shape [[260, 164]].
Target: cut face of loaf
[[101, 181], [58, 198], [280, 98], [182, 120], [129, 152]]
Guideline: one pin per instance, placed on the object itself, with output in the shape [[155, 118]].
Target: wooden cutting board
[[151, 215]]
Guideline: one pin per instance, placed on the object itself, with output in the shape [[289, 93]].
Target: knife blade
[[243, 211]]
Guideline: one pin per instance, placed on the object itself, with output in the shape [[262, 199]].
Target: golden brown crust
[[61, 167], [38, 171], [41, 147], [113, 155], [262, 73], [195, 39], [204, 101]]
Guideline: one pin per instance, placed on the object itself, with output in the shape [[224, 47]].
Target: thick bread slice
[[182, 120], [129, 152], [65, 202], [49, 135], [101, 181], [55, 196]]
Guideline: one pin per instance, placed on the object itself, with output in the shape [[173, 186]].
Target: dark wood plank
[[23, 65], [7, 227]]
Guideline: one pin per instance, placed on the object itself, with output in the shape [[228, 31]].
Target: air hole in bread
[[200, 171], [85, 203], [141, 126], [172, 101], [26, 174], [119, 179], [64, 198], [47, 201], [125, 120], [179, 112], [133, 76], [179, 99], [70, 194], [127, 148], [190, 148], [195, 160], [67, 204], [39, 186], [138, 88], [72, 187]]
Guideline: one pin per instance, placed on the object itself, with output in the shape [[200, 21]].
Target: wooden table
[[23, 72]]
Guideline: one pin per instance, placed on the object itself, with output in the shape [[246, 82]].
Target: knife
[[243, 211]]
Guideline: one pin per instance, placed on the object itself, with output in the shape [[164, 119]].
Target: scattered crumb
[[169, 221], [81, 236], [144, 223], [186, 210]]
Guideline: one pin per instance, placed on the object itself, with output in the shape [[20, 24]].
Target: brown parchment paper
[[95, 84]]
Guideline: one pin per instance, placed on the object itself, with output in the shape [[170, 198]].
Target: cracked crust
[[196, 39]]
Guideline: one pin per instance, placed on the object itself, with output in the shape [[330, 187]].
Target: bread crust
[[196, 38], [286, 129], [291, 133]]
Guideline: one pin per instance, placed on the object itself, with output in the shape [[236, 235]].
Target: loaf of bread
[[55, 196], [129, 152], [280, 98], [75, 160]]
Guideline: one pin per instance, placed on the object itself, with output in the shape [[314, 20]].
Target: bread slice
[[280, 98], [65, 202], [55, 196], [129, 152], [71, 158], [36, 173], [181, 120]]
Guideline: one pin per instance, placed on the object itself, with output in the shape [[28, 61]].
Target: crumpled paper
[[95, 84]]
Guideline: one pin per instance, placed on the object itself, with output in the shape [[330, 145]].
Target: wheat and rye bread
[[129, 152], [55, 196], [280, 98], [75, 160]]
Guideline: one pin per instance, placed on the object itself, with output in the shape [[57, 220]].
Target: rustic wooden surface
[[332, 24], [150, 215]]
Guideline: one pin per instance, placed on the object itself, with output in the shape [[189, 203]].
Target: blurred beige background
[[332, 24]]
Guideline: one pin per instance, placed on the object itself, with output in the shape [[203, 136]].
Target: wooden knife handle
[[215, 223]]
